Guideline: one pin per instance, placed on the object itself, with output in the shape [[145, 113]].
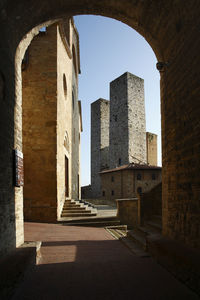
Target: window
[[139, 176], [120, 161], [112, 178], [115, 118], [103, 193], [139, 190], [64, 85], [153, 176], [112, 193]]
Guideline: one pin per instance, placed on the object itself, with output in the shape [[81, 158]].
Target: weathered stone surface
[[127, 211], [99, 142], [151, 146], [127, 121], [124, 183]]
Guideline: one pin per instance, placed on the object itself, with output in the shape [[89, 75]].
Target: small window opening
[[103, 193], [112, 178], [120, 161], [64, 85], [139, 190], [153, 176], [112, 193], [139, 176]]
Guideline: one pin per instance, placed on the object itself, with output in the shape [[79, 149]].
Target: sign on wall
[[19, 168]]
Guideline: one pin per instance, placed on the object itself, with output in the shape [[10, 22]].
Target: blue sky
[[108, 48]]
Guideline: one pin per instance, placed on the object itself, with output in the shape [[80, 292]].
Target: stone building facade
[[128, 180], [51, 122], [118, 131]]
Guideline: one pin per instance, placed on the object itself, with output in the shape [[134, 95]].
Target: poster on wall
[[19, 168]]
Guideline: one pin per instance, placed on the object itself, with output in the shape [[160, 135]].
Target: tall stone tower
[[151, 140], [127, 141], [99, 142]]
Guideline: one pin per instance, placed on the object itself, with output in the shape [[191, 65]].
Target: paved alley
[[88, 263]]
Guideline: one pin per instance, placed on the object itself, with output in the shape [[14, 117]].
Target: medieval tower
[[118, 131], [127, 121], [100, 142]]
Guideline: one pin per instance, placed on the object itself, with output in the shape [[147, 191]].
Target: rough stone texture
[[127, 211], [127, 121], [76, 119], [99, 143], [150, 203], [39, 106], [47, 137], [122, 184], [151, 146], [171, 28]]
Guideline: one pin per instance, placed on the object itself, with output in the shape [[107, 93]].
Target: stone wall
[[47, 124], [99, 142], [39, 127], [150, 203], [151, 145], [127, 211], [64, 112], [124, 183], [75, 117]]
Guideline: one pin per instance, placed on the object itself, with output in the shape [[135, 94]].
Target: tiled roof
[[132, 166]]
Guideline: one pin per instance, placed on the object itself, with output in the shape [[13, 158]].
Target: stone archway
[[171, 30]]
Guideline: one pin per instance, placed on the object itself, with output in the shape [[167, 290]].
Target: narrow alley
[[88, 263]]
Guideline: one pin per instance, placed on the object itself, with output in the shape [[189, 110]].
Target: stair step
[[93, 224], [75, 211], [138, 238], [72, 205], [74, 208], [153, 226], [83, 214]]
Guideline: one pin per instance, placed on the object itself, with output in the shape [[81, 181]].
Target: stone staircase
[[136, 239], [75, 209], [139, 234]]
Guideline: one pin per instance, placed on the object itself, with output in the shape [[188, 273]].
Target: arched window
[[139, 176], [65, 85]]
